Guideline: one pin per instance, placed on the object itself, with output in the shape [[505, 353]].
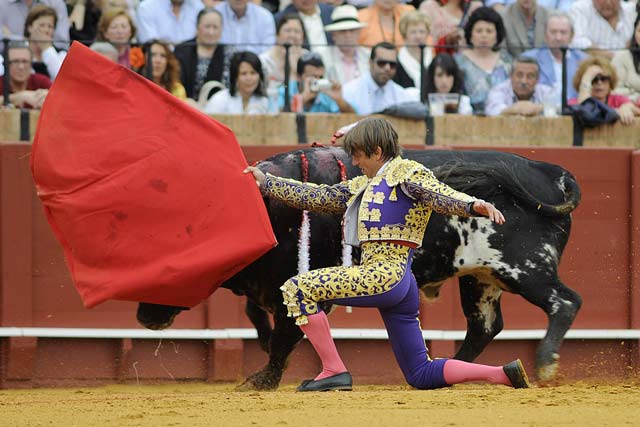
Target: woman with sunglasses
[[596, 78]]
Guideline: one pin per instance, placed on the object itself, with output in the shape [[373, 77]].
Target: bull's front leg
[[481, 306], [260, 320], [283, 340]]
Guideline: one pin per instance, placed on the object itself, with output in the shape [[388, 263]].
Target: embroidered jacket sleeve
[[424, 186], [308, 196]]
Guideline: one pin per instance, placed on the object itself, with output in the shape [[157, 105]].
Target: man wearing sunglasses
[[376, 90]]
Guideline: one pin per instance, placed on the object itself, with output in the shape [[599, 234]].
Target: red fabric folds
[[145, 194]]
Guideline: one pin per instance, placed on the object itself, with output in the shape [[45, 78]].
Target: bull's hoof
[[547, 369], [157, 316], [263, 380]]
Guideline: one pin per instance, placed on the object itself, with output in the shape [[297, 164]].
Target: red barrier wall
[[35, 290]]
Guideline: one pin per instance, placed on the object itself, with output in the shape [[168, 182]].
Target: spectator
[[345, 60], [203, 59], [483, 64], [247, 26], [170, 20], [84, 16], [414, 27], [524, 22], [27, 89], [522, 95], [117, 27], [560, 5], [246, 93], [447, 18], [602, 25], [289, 29], [558, 33], [383, 22], [165, 69], [13, 14], [627, 66], [444, 76], [310, 71], [105, 49], [314, 17], [595, 78], [38, 29], [375, 91]]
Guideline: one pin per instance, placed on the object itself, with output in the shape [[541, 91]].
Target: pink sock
[[319, 333], [457, 371]]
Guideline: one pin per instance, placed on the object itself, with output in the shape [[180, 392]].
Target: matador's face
[[369, 165]]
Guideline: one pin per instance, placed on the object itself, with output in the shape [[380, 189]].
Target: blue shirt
[[322, 104], [255, 31], [547, 71], [157, 21]]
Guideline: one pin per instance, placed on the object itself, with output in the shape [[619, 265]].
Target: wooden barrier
[[448, 130]]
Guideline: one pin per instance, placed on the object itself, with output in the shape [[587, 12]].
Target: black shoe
[[341, 381], [516, 374]]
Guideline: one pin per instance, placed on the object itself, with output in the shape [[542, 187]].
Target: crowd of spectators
[[491, 57]]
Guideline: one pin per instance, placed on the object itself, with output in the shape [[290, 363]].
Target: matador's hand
[[257, 174], [488, 210]]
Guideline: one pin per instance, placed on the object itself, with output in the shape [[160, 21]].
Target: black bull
[[520, 256]]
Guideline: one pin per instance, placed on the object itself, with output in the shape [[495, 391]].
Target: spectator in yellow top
[[165, 69], [383, 22]]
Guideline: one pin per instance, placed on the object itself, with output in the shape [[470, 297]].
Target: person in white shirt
[[246, 93], [521, 95], [169, 20], [345, 60], [375, 91], [247, 26], [602, 26]]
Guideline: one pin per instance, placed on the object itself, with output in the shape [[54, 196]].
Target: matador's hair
[[371, 133]]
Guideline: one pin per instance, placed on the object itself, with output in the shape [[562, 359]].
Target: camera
[[317, 85]]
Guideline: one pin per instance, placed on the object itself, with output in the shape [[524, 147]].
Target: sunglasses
[[381, 63], [600, 78]]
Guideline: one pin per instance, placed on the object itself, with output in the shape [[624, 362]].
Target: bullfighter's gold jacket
[[394, 205]]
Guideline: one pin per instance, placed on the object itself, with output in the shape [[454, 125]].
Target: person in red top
[[27, 89], [596, 78]]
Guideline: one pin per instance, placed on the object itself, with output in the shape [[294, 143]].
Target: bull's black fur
[[536, 198]]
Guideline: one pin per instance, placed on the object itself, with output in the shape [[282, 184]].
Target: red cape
[[145, 194]]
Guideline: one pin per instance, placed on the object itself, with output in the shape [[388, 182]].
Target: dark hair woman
[[483, 63], [443, 76], [202, 58], [246, 92]]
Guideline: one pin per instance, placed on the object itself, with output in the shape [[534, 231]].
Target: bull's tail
[[486, 180]]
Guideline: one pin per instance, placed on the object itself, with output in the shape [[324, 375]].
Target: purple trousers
[[399, 308]]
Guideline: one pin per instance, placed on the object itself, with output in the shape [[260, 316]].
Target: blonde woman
[[415, 29]]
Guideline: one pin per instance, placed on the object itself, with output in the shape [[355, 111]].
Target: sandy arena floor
[[581, 404]]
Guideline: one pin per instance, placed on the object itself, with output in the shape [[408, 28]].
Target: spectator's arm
[[523, 108], [495, 103], [336, 94], [627, 112], [76, 17]]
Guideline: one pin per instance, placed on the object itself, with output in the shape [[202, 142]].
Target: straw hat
[[344, 17]]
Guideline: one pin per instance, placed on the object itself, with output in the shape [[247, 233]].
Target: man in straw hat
[[386, 211], [346, 60]]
